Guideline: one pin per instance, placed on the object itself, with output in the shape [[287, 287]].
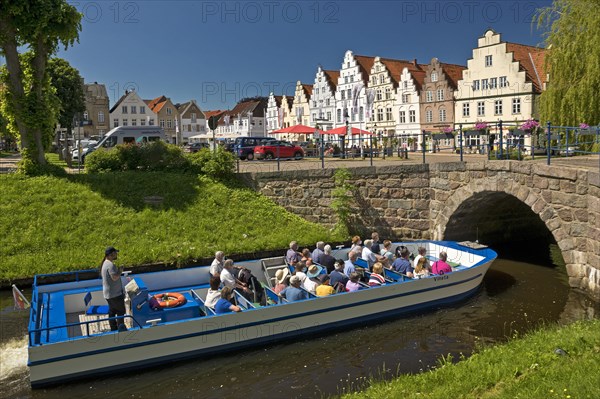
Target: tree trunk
[[39, 72]]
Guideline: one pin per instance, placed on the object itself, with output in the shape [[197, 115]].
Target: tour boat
[[69, 336]]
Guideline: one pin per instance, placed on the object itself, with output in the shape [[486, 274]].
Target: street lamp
[[343, 136]]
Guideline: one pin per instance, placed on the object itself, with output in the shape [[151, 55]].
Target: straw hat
[[281, 275], [314, 271]]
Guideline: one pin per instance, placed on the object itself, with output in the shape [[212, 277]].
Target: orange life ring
[[170, 299]]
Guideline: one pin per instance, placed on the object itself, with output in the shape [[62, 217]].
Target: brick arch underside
[[546, 212]]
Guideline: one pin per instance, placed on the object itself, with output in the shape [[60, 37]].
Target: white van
[[129, 135]]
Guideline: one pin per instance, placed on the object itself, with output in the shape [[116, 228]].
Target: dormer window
[[434, 76]]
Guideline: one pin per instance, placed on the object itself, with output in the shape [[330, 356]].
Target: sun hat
[[314, 271], [281, 275], [110, 250], [295, 280]]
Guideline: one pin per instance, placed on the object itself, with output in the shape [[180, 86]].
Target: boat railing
[[199, 301], [242, 301], [47, 330]]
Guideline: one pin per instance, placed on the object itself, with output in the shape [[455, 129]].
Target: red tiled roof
[[395, 67], [365, 63], [531, 60], [453, 73], [217, 113], [307, 90], [332, 77]]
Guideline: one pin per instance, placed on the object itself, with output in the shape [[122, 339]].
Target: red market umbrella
[[297, 129], [342, 130]]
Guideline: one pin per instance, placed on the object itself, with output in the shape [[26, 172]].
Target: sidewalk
[[9, 163]]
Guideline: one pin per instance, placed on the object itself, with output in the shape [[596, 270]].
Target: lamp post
[[383, 142], [343, 136]]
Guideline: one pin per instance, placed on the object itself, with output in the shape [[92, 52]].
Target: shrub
[[156, 156], [103, 160], [219, 164]]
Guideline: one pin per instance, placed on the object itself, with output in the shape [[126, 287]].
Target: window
[[345, 79], [379, 95], [193, 117], [142, 109], [405, 98], [442, 115], [516, 106], [314, 104], [133, 109], [328, 116], [493, 83], [85, 116], [475, 85], [440, 94], [142, 122], [380, 114], [480, 108], [434, 77], [380, 79], [343, 95], [484, 84], [428, 116], [412, 116], [124, 109], [101, 117], [169, 123], [116, 122], [169, 110], [351, 78], [125, 123], [466, 109], [498, 107], [429, 96], [388, 113], [161, 123], [388, 93], [339, 115], [327, 102], [402, 117], [405, 85], [349, 93], [151, 122], [488, 60], [503, 81], [134, 122], [360, 114]]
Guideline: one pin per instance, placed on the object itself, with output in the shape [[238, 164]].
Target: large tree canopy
[[38, 26], [573, 62]]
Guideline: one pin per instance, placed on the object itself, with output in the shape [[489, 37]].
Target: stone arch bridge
[[460, 201]]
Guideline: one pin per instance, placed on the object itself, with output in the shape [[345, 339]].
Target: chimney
[[414, 62]]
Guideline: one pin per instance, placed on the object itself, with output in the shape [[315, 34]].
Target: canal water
[[515, 297]]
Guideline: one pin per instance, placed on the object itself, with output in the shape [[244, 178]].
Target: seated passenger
[[387, 253], [281, 280], [402, 264], [326, 259], [224, 304], [213, 294], [311, 281], [375, 247], [229, 277], [421, 268], [376, 277], [325, 288], [441, 267], [292, 256], [338, 276], [349, 265], [369, 256], [356, 245], [217, 264], [352, 284], [293, 292], [306, 257], [318, 253], [422, 252]]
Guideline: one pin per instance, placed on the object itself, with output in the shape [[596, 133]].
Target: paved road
[[586, 162]]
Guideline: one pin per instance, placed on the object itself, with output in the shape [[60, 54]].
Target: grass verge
[[53, 224], [527, 367]]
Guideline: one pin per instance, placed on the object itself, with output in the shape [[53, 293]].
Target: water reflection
[[515, 297]]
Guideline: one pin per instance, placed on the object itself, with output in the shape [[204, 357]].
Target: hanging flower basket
[[482, 127], [530, 125]]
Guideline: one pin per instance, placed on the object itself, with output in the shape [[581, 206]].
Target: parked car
[[195, 147], [278, 149], [85, 147], [244, 146]]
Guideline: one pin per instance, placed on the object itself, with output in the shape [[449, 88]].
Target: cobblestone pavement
[[591, 162]]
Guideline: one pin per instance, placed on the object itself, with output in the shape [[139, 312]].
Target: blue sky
[[220, 51]]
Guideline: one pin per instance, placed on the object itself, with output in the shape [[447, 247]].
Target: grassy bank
[[523, 368], [51, 224]]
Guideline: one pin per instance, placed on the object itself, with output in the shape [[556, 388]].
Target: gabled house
[[286, 105], [351, 90], [322, 101], [407, 106], [274, 113], [168, 118], [95, 118], [131, 110], [192, 121], [437, 96], [502, 81], [247, 118], [301, 105]]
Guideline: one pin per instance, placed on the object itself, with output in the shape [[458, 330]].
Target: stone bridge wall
[[417, 201]]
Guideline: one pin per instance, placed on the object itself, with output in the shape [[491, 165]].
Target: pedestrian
[[112, 289]]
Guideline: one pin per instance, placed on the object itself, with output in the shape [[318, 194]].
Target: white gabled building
[[247, 118], [407, 106], [131, 110], [274, 113], [502, 82], [301, 106], [322, 101], [192, 122]]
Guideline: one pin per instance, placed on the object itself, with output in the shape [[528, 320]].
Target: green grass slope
[[52, 224], [527, 367]]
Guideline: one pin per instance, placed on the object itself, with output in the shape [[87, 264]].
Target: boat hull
[[209, 335]]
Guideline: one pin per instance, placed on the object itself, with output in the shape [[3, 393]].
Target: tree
[[572, 61], [38, 26], [68, 84]]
